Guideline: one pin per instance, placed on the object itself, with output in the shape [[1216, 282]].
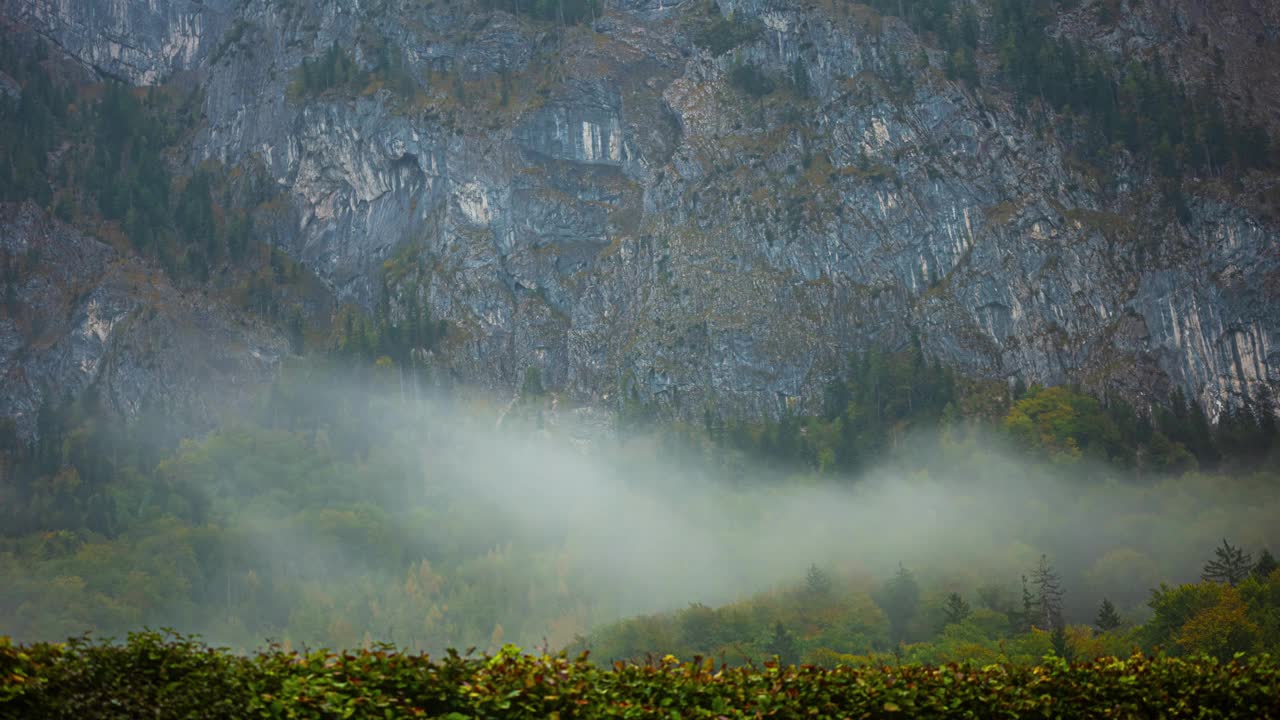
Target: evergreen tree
[[1265, 566], [698, 627], [1020, 621], [956, 609], [993, 597], [1266, 414], [900, 599], [1108, 619], [783, 645], [836, 399], [297, 331], [532, 386], [816, 581], [1059, 640], [1201, 438], [1048, 607], [800, 77], [1231, 565]]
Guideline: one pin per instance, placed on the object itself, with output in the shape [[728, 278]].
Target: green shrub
[[159, 676], [151, 675]]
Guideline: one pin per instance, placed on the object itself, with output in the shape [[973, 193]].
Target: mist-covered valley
[[349, 508]]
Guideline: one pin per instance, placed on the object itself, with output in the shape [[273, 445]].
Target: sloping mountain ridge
[[714, 206]]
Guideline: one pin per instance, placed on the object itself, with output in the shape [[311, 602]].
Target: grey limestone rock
[[81, 315], [604, 203]]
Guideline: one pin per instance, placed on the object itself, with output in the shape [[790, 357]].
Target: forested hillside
[[858, 621], [355, 505]]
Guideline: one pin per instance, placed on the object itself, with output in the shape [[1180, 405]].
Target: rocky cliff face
[[138, 42], [606, 203], [91, 316]]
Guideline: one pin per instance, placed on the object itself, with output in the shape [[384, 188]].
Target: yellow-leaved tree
[[1220, 630]]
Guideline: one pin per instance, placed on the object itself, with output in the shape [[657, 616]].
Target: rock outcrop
[[90, 317], [615, 204]]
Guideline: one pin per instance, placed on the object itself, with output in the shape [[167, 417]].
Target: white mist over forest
[[349, 508], [557, 534]]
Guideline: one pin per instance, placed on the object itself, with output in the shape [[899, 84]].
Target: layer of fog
[[649, 528]]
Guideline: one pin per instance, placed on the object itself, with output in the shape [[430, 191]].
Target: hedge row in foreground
[[170, 676]]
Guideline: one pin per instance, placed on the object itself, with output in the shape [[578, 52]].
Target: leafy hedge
[[170, 676]]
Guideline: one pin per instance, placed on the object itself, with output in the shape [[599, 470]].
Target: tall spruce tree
[[1021, 620], [900, 599], [1231, 565], [1108, 619], [955, 609], [1266, 564], [1048, 595], [783, 645], [816, 581], [1059, 639]]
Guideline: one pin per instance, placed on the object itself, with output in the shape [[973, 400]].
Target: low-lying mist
[[642, 524], [462, 523]]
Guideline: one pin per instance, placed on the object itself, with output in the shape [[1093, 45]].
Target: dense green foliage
[[301, 525], [174, 677], [857, 622]]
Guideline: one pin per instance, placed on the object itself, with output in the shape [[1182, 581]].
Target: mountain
[[685, 205]]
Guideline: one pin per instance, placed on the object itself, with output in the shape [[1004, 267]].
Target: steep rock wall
[[626, 218]]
